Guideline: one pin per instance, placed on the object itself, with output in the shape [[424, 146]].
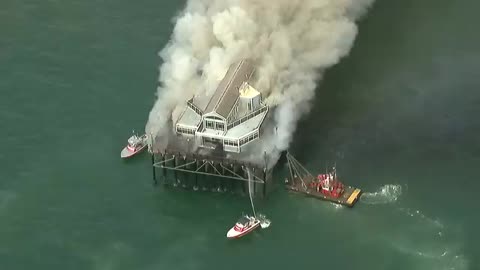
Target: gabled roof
[[227, 91], [214, 114]]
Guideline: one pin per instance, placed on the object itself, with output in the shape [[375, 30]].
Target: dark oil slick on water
[[399, 116]]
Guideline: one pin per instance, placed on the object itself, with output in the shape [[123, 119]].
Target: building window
[[249, 138], [230, 143], [211, 140], [182, 130], [220, 126], [209, 124]]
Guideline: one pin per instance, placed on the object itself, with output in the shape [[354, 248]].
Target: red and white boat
[[329, 185], [244, 225], [135, 144]]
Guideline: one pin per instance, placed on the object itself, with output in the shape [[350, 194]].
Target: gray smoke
[[291, 41]]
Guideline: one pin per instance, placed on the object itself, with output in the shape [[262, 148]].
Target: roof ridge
[[229, 83]]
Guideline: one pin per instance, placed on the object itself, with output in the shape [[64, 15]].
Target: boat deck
[[349, 197], [300, 180]]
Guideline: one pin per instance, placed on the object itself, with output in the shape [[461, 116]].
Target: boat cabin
[[134, 141], [329, 185], [243, 223]]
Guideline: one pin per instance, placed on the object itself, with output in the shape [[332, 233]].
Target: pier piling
[[216, 174], [153, 170]]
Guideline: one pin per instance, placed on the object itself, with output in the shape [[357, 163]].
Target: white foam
[[337, 206], [428, 241], [264, 221], [423, 218], [386, 194]]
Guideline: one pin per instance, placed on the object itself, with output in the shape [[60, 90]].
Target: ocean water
[[399, 116]]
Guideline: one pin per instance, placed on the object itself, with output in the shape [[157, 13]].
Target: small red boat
[[244, 225], [135, 144]]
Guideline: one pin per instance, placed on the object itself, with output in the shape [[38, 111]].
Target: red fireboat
[[325, 186], [329, 185]]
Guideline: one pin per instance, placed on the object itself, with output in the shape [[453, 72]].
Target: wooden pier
[[208, 172]]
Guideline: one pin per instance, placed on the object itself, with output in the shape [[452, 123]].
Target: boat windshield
[[133, 140], [243, 221]]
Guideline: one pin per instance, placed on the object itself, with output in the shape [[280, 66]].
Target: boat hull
[[126, 153], [234, 234], [348, 198]]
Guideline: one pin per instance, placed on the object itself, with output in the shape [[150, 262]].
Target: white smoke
[[291, 41]]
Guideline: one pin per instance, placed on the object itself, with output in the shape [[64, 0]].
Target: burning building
[[231, 117]]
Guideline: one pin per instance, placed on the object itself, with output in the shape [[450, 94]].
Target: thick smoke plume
[[291, 41]]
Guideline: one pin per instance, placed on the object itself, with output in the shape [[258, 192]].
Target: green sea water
[[399, 115]]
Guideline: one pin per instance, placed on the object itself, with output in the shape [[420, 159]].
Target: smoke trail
[[291, 41]]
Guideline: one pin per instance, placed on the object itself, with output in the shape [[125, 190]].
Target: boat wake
[[430, 243], [426, 241], [337, 206], [434, 223], [386, 194], [264, 221]]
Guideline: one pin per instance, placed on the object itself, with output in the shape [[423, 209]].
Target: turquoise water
[[399, 116]]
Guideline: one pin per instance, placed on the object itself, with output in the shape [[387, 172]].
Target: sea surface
[[400, 116]]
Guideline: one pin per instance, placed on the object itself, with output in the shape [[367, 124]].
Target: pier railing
[[194, 107], [247, 117]]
